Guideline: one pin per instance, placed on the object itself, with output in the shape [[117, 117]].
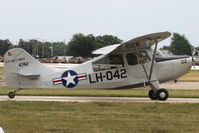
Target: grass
[[192, 76], [97, 93], [55, 117], [77, 92]]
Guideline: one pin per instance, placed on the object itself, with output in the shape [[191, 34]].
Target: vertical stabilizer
[[20, 67]]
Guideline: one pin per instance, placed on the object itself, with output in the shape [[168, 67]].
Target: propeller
[[191, 54]]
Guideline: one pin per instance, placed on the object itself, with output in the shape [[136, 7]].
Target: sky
[[59, 20]]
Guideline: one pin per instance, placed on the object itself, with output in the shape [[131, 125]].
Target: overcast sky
[[58, 20]]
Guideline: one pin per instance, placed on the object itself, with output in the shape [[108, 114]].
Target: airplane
[[120, 66]]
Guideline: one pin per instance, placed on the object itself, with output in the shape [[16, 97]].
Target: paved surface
[[98, 99]]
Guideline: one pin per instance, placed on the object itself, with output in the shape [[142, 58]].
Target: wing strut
[[139, 56], [153, 59]]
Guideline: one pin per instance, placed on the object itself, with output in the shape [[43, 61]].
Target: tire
[[11, 95], [152, 95], [162, 94]]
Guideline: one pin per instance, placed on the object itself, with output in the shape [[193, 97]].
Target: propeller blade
[[191, 54]]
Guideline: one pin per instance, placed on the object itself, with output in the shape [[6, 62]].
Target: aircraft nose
[[182, 66]]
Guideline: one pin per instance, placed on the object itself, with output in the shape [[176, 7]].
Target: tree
[[180, 45], [59, 48], [42, 49], [81, 45], [4, 46], [107, 40], [166, 48], [25, 45]]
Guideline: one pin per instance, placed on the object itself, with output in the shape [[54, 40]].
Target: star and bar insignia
[[69, 79]]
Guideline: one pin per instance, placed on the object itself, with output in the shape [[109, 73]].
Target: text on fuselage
[[107, 76]]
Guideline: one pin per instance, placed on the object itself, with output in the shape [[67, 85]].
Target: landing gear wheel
[[162, 94], [11, 94], [152, 95]]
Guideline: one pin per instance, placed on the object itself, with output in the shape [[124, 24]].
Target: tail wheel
[[152, 94], [162, 94], [11, 94]]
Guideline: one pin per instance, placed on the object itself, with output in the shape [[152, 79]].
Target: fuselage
[[129, 69], [118, 70]]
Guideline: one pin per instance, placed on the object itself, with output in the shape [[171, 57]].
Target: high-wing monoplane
[[127, 65]]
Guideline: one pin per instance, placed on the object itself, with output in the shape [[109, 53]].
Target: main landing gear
[[157, 93], [12, 94], [160, 94]]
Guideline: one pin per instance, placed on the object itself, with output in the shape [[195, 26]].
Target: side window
[[108, 62], [132, 59], [144, 57]]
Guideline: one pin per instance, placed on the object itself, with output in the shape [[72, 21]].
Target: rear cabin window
[[108, 62]]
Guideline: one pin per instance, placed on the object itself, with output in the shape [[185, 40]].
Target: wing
[[148, 40], [145, 41], [106, 50]]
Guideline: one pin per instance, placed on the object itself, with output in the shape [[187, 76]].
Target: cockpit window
[[108, 62], [132, 59]]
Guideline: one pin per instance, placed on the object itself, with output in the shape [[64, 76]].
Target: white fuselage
[[116, 71]]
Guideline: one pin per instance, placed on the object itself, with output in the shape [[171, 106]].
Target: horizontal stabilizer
[[31, 76], [28, 74]]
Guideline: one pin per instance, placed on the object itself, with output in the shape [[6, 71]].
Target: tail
[[21, 69]]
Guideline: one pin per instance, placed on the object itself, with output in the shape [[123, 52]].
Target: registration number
[[108, 76]]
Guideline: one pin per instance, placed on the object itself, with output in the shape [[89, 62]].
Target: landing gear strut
[[160, 94]]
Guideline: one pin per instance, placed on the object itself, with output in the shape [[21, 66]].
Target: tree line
[[82, 45], [79, 45]]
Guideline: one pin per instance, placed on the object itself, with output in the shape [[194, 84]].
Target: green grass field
[[56, 117], [97, 93], [192, 76]]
